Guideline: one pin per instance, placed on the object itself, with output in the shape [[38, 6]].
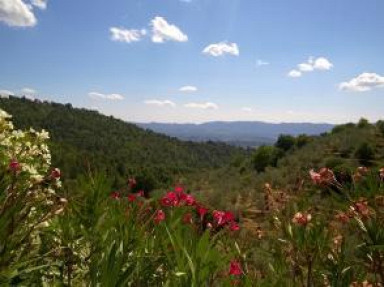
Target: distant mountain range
[[240, 133]]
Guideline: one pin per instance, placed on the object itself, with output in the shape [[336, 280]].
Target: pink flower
[[235, 268], [140, 193], [234, 226], [316, 177], [159, 216], [219, 216], [131, 197], [115, 195], [301, 218], [223, 217], [228, 216], [201, 210], [361, 207], [56, 173], [325, 176], [179, 189], [189, 200], [14, 165], [170, 199]]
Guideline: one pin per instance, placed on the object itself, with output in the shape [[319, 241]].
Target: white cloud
[[247, 109], [363, 82], [322, 64], [112, 97], [6, 93], [312, 64], [260, 63], [294, 74], [16, 13], [160, 103], [188, 89], [125, 35], [222, 48], [163, 31], [28, 91], [204, 106], [305, 67], [41, 4]]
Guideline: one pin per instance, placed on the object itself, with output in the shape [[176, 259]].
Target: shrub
[[285, 142], [265, 156], [363, 123], [365, 153]]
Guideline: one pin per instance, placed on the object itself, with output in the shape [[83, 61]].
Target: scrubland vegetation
[[132, 208]]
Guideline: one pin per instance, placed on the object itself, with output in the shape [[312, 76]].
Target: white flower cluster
[[29, 149]]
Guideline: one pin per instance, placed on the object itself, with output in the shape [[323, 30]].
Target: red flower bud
[[14, 165]]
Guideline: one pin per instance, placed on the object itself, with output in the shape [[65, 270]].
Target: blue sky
[[199, 60]]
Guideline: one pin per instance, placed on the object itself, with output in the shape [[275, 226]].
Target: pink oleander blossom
[[235, 268], [301, 218], [159, 216]]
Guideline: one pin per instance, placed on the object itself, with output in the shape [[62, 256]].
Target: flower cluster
[[324, 177], [215, 219], [178, 198], [302, 218], [360, 208], [30, 201], [27, 151]]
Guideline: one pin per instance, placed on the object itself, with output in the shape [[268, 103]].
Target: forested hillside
[[84, 140]]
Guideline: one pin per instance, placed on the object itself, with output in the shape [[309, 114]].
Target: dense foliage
[[329, 233], [344, 149], [314, 218], [84, 139]]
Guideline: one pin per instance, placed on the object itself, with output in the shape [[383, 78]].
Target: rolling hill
[[84, 140]]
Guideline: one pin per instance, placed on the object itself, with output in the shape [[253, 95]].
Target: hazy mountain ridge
[[244, 133]]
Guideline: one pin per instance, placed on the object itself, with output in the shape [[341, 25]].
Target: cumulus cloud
[[312, 64], [305, 67], [188, 89], [160, 103], [28, 91], [294, 74], [16, 13], [204, 106], [126, 35], [163, 31], [363, 82], [322, 64], [222, 48], [41, 4], [111, 97]]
